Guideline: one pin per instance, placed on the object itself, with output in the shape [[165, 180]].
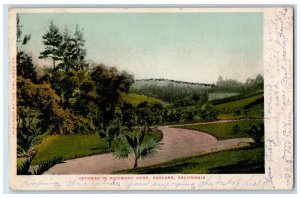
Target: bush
[[43, 167], [256, 132]]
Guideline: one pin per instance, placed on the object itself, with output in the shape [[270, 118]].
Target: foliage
[[108, 85], [74, 101], [174, 93], [187, 94], [208, 113], [29, 132], [24, 168], [172, 115], [232, 85], [146, 115], [129, 115], [52, 40], [66, 49], [189, 115], [42, 98], [25, 67], [256, 131], [68, 85], [72, 50], [227, 83], [111, 132]]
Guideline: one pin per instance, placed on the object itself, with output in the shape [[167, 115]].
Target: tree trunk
[[53, 64], [109, 144], [135, 163]]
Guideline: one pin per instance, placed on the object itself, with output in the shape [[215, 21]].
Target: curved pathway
[[177, 143]]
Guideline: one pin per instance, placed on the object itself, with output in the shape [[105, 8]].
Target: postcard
[[151, 99]]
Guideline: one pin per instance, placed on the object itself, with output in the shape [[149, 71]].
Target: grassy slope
[[227, 109], [231, 106], [136, 99], [223, 130], [74, 146], [248, 160], [70, 146]]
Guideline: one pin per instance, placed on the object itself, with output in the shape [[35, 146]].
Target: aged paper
[[278, 116]]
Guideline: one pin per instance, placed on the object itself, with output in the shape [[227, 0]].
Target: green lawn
[[235, 105], [74, 146], [136, 99], [223, 130], [70, 146], [247, 160]]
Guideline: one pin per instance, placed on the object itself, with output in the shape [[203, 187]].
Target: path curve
[[177, 143]]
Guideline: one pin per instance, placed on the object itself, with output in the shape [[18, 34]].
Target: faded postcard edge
[[278, 90]]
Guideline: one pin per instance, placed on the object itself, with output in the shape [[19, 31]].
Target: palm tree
[[135, 144]]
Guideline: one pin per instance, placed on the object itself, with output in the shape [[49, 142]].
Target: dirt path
[[177, 143]]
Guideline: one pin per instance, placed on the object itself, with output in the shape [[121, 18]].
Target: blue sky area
[[194, 47]]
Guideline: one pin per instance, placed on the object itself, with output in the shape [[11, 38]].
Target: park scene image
[[140, 93]]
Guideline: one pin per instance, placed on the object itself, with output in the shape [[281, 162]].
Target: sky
[[192, 47]]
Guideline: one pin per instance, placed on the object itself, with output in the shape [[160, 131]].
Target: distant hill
[[165, 82]]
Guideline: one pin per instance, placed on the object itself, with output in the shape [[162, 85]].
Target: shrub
[[257, 133]]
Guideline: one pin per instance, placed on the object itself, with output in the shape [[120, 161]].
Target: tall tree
[[52, 40], [109, 83], [80, 50], [25, 67], [129, 115], [73, 50]]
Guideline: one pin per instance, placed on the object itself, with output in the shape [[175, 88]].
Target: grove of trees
[[70, 98]]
